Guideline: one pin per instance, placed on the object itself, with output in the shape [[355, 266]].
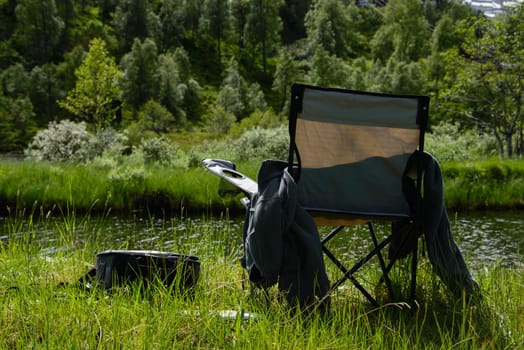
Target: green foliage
[[238, 98], [252, 146], [16, 123], [449, 142], [487, 81], [492, 183], [328, 70], [404, 77], [215, 20], [262, 119], [330, 26], [38, 29], [263, 26], [286, 73], [105, 139], [174, 52], [171, 24], [171, 87], [259, 143], [405, 32], [96, 91], [218, 121], [160, 151], [68, 141], [155, 117], [140, 80], [134, 19], [60, 142]]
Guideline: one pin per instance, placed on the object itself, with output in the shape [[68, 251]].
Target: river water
[[485, 238]]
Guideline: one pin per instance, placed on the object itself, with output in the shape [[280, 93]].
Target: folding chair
[[349, 151]]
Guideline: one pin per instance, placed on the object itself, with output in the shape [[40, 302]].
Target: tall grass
[[42, 307], [491, 183], [469, 185], [24, 183]]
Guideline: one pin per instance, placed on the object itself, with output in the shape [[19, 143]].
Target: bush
[[68, 141], [448, 142], [253, 145], [106, 139], [264, 119], [158, 150], [218, 121], [260, 143], [60, 142]]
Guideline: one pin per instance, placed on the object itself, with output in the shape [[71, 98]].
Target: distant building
[[490, 8]]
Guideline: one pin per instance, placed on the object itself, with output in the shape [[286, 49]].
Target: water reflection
[[492, 237], [484, 238]]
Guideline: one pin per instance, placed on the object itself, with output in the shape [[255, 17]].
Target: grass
[[42, 307], [492, 184]]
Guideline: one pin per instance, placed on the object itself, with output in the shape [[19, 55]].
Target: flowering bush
[[60, 142]]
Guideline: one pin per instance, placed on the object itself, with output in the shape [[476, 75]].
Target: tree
[[87, 23], [235, 96], [172, 25], [328, 70], [96, 94], [293, 14], [44, 92], [66, 69], [135, 19], [218, 121], [329, 26], [140, 80], [404, 34], [286, 73], [443, 39], [215, 19], [170, 93], [188, 11], [188, 87], [7, 19], [406, 78], [16, 123], [155, 117], [239, 11], [490, 78], [38, 30], [263, 25]]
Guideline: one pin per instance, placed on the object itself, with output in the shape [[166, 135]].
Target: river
[[485, 238]]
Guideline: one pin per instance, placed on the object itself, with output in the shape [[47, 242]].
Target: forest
[[203, 69]]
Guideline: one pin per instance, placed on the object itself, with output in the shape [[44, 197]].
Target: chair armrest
[[226, 171]]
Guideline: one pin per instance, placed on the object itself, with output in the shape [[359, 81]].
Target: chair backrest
[[351, 149]]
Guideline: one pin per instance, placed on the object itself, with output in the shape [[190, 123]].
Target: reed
[[42, 307]]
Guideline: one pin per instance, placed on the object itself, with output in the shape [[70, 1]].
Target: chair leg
[[332, 234], [348, 275], [385, 270], [414, 264]]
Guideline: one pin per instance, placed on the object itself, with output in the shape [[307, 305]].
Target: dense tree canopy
[[168, 65]]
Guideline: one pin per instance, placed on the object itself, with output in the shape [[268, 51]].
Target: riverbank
[[489, 184], [43, 307]]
